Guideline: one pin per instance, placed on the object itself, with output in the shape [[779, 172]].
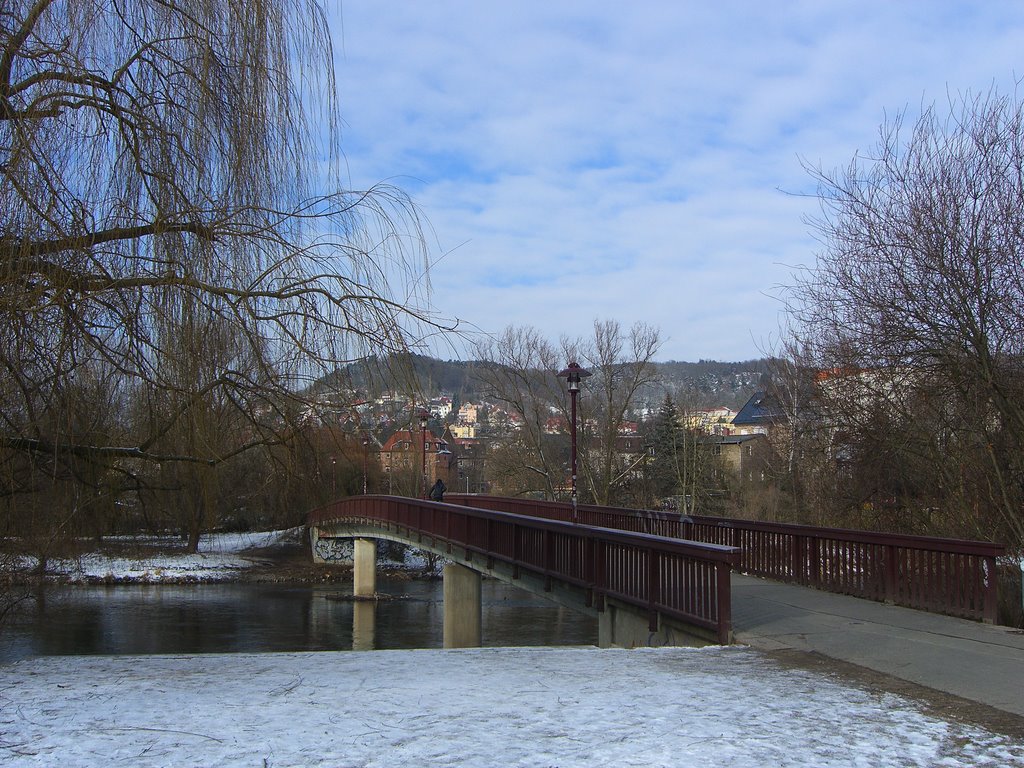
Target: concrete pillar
[[364, 568], [314, 537], [625, 626], [462, 612], [364, 625], [606, 627]]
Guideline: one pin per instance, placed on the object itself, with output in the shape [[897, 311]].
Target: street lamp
[[424, 417], [572, 375], [366, 457], [334, 476]]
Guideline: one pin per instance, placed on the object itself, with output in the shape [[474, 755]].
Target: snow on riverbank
[[472, 708], [152, 559]]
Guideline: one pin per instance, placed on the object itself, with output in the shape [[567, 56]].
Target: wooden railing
[[948, 576], [685, 580]]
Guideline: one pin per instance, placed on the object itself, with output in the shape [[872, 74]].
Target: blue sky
[[639, 162]]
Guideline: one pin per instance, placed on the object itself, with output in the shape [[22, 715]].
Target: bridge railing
[[948, 576], [685, 580]]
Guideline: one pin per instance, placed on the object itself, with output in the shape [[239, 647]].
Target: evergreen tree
[[666, 439]]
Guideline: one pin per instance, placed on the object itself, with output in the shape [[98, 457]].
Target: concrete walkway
[[979, 662]]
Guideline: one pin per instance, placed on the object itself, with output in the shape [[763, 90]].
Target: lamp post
[[572, 375], [334, 476], [424, 417], [366, 457]]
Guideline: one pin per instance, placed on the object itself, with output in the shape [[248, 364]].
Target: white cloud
[[582, 160]]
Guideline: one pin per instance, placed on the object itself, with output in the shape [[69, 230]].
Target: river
[[249, 618]]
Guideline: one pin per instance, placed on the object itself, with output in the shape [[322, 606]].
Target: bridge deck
[[980, 662]]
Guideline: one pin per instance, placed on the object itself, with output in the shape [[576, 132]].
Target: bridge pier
[[623, 626], [314, 539], [462, 610], [364, 568]]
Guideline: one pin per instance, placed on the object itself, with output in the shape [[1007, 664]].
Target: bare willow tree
[[917, 301], [169, 183]]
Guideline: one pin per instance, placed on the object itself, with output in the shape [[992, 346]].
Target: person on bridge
[[437, 492]]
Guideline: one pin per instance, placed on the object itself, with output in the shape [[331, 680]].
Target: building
[[742, 456], [404, 455], [712, 421], [760, 415], [471, 469], [469, 413], [463, 431]]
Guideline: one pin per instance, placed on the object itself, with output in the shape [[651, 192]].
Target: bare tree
[[698, 471], [519, 373], [516, 372], [159, 162], [918, 297], [621, 364]]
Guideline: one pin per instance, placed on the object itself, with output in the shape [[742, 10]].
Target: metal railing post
[[723, 590]]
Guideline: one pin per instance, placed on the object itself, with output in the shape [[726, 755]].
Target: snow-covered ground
[[162, 559], [473, 708], [221, 556]]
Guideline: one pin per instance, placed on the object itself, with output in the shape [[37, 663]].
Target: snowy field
[[472, 708]]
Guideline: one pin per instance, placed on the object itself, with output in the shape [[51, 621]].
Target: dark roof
[[761, 408]]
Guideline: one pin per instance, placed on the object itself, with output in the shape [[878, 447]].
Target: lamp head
[[573, 374]]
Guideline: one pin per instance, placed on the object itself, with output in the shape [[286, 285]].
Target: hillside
[[696, 384]]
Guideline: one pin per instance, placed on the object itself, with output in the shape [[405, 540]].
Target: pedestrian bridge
[[651, 578]]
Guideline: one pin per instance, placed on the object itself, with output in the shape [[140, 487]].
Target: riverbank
[[271, 557]]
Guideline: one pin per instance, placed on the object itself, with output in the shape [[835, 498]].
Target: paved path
[[980, 662]]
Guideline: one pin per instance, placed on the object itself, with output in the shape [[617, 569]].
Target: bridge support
[[314, 538], [623, 626], [364, 568], [462, 611]]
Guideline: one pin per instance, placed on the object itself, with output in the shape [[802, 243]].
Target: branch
[[51, 448], [18, 40], [91, 239]]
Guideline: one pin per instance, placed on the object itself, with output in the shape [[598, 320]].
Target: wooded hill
[[701, 384]]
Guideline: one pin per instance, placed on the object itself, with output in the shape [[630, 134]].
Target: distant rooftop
[[761, 408]]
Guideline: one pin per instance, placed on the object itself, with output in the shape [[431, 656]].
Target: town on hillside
[[477, 443]]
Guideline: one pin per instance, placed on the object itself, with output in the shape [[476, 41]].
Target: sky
[[641, 162]]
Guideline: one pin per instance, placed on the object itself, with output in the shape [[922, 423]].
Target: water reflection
[[232, 618], [364, 624]]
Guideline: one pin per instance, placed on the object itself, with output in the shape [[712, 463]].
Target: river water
[[246, 618]]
